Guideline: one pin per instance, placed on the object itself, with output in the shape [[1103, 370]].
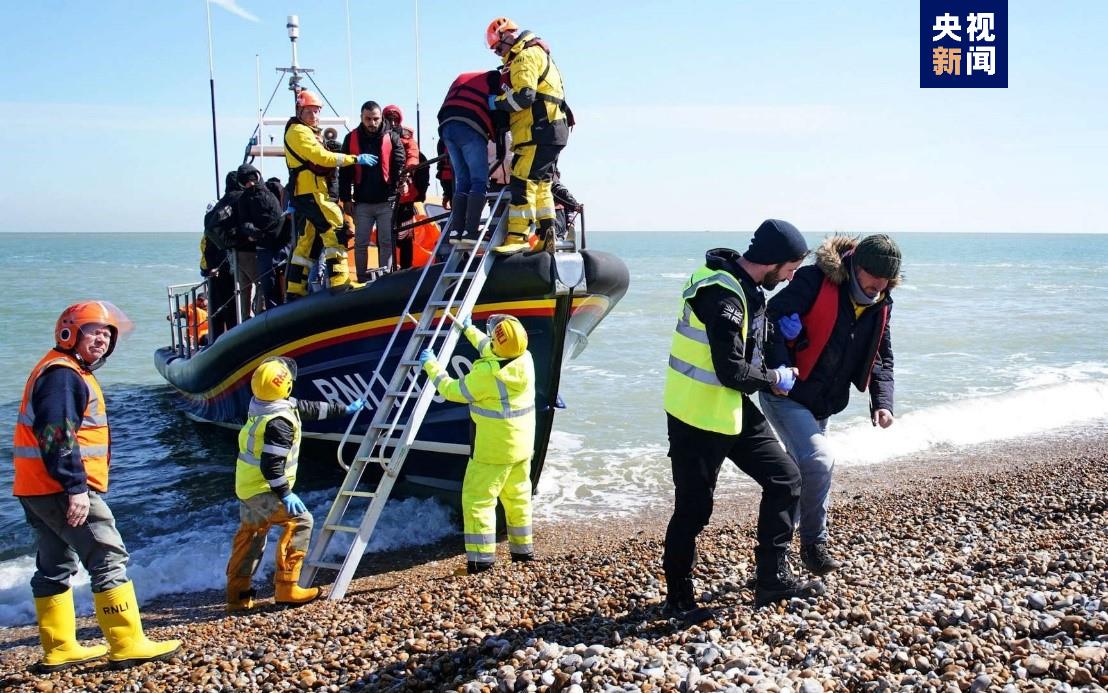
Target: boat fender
[[569, 273]]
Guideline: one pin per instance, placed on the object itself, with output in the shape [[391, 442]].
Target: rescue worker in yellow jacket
[[539, 121], [500, 391], [269, 449], [61, 452], [309, 164]]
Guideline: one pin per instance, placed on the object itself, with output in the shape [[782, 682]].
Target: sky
[[691, 116]]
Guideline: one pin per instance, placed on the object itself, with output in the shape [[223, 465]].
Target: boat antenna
[[349, 58], [211, 87], [417, 79]]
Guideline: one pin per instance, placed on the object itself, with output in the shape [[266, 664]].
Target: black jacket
[[853, 345], [279, 436], [373, 187], [737, 363], [259, 216]]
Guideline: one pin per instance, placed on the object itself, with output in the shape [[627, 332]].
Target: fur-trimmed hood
[[831, 256]]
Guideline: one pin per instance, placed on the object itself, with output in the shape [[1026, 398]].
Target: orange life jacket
[[93, 437], [197, 320]]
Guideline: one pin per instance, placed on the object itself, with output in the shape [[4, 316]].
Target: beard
[[772, 279]]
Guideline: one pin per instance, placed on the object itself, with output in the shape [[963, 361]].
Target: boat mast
[[211, 87], [417, 76], [294, 70]]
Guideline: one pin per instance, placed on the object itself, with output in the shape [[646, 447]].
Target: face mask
[[857, 295]]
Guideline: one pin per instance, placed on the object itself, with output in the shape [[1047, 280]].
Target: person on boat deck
[[274, 254], [833, 326], [195, 316], [540, 122], [370, 191], [444, 173], [412, 187], [566, 207], [309, 162], [217, 262], [715, 364], [466, 127], [259, 217], [269, 449], [62, 453], [500, 391]]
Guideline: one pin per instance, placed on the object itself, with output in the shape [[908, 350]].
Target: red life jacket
[[386, 154], [468, 99], [819, 322]]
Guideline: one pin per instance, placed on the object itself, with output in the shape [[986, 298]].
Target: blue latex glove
[[425, 356], [790, 326], [467, 323], [355, 407], [290, 209], [492, 102], [293, 504], [367, 160], [785, 378]]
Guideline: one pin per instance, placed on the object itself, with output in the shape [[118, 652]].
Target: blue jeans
[[805, 438], [469, 157]]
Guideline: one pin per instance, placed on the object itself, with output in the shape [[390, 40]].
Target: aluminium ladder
[[402, 401]]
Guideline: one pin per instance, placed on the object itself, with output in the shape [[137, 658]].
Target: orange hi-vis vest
[[93, 437]]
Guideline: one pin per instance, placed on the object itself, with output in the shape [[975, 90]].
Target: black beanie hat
[[776, 241], [878, 255]]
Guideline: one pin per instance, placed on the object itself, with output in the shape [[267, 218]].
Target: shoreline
[[994, 557]]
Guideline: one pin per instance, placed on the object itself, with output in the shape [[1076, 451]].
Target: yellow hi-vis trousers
[[530, 185], [483, 484], [256, 515], [323, 218]]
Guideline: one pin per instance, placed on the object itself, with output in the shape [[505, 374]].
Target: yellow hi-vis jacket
[[693, 393], [501, 398], [535, 102], [249, 481], [303, 153]]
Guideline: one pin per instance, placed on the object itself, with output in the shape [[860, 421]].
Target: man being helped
[[539, 122], [500, 391], [61, 452], [371, 191], [309, 162], [833, 326], [269, 450], [715, 363]]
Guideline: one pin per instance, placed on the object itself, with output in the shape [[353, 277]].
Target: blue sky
[[691, 116]]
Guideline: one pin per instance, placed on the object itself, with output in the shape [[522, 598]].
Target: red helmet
[[492, 34], [307, 98], [78, 315]]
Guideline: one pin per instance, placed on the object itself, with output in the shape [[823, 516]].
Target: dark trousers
[[696, 456], [221, 307]]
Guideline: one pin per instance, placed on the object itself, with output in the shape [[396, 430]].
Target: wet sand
[[980, 569]]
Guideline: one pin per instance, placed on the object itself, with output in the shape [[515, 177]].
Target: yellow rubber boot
[[57, 628], [285, 588], [240, 595], [513, 243], [118, 614]]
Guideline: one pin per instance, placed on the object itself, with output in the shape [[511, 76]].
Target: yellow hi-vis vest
[[249, 481], [693, 393]]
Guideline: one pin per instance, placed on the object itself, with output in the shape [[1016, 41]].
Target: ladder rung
[[325, 564], [341, 528], [400, 393], [420, 332], [387, 426], [358, 494], [409, 362], [455, 275], [440, 304]]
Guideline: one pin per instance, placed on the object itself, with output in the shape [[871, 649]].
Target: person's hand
[[77, 512], [404, 187], [355, 407], [492, 102], [468, 322], [293, 504], [367, 160], [425, 356], [786, 379], [882, 418], [290, 209], [790, 326]]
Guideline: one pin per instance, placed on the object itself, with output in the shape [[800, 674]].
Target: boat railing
[[185, 323]]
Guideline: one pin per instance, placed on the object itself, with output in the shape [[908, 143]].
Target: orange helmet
[[307, 98], [75, 317], [492, 34]]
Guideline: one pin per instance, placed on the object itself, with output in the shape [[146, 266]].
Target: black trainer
[[686, 610], [776, 581], [522, 557], [817, 559]]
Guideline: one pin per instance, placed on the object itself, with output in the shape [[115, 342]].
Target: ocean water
[[996, 337]]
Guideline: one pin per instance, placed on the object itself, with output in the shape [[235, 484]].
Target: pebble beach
[[981, 569]]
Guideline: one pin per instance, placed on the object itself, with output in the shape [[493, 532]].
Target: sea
[[996, 337]]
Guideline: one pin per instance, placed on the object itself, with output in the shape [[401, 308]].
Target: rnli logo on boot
[[963, 44], [116, 608]]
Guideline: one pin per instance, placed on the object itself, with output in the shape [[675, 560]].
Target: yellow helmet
[[509, 339], [273, 379]]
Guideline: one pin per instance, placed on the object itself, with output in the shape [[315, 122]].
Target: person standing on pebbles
[[269, 450], [715, 364], [833, 326], [62, 453], [500, 391]]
